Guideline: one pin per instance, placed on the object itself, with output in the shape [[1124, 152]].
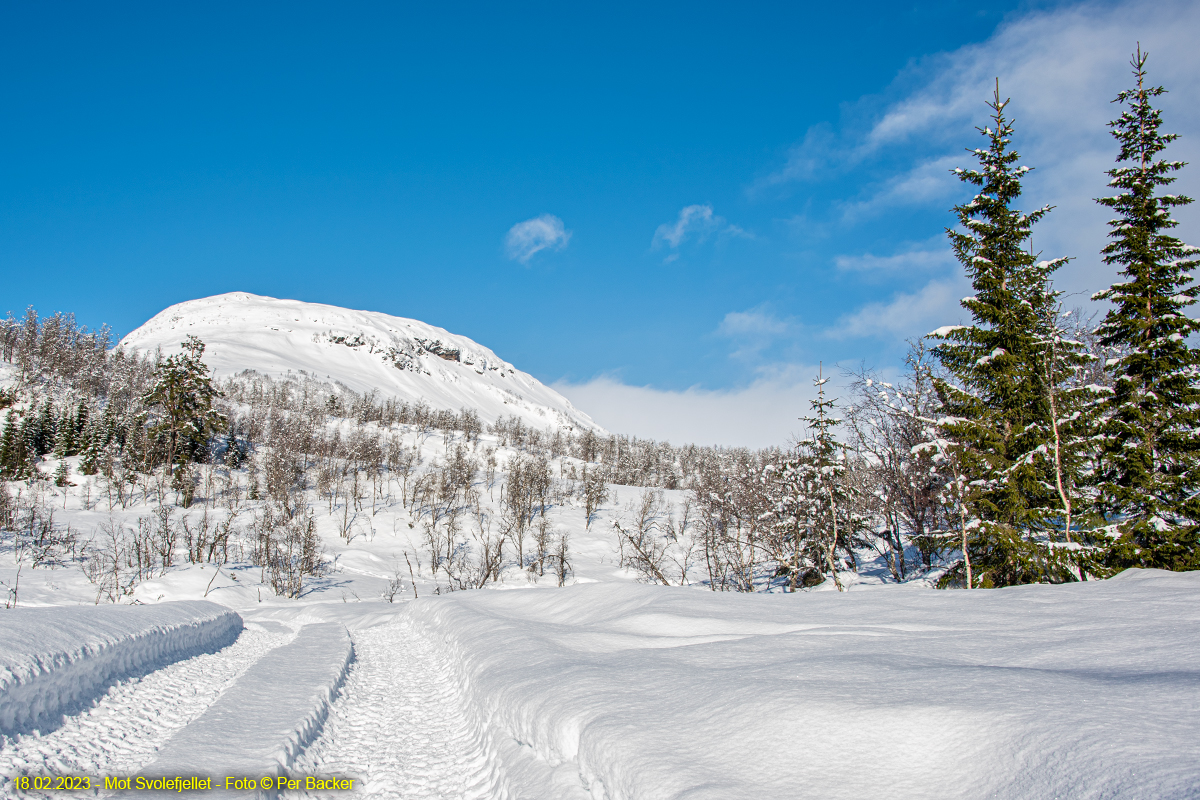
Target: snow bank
[[266, 719], [56, 660], [1085, 690]]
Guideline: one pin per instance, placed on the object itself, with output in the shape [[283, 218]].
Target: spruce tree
[[821, 470], [62, 475], [182, 395], [11, 449], [44, 430], [64, 435], [996, 404], [89, 451], [1150, 442]]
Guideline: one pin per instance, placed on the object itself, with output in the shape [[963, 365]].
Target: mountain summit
[[362, 350]]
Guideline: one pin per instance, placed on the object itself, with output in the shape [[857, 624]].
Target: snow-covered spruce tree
[[996, 399], [1149, 476], [182, 396], [834, 523], [16, 458]]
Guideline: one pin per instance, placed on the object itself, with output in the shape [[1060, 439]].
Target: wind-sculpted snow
[[1088, 690], [265, 720], [135, 718], [55, 661], [364, 350]]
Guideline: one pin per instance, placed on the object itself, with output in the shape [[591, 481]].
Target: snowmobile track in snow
[[400, 727], [125, 728]]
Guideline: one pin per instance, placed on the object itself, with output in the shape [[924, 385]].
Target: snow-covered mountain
[[363, 350]]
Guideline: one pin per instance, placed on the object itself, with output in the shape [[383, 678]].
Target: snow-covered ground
[[56, 660], [608, 688], [1085, 691], [363, 350], [620, 690]]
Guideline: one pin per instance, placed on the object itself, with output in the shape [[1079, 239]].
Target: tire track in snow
[[124, 729], [400, 726]]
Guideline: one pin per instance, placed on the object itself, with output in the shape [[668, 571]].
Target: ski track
[[125, 727], [399, 726]]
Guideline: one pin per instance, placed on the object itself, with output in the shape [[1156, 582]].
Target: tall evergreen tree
[[821, 471], [1150, 435], [44, 430], [182, 396], [12, 449], [997, 404]]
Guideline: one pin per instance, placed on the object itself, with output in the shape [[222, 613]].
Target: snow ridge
[[56, 660], [363, 350], [134, 719], [265, 721]]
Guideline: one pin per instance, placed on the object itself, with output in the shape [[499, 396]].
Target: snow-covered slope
[[1082, 690], [364, 350]]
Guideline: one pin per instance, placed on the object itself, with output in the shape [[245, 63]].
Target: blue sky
[[671, 212]]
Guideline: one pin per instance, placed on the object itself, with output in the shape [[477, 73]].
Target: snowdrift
[[363, 350], [275, 710], [1086, 690], [56, 660]]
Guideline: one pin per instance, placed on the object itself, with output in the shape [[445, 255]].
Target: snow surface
[[403, 726], [618, 691], [136, 717], [55, 660], [1084, 691], [275, 710], [363, 350]]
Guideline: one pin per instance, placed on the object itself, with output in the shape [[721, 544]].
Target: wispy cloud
[[924, 257], [694, 222], [817, 154], [929, 181], [526, 239], [906, 315], [753, 330]]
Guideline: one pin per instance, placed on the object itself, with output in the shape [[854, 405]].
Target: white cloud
[[525, 239], [926, 257], [906, 315], [929, 181], [762, 414], [755, 322], [752, 330], [816, 155], [694, 222]]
